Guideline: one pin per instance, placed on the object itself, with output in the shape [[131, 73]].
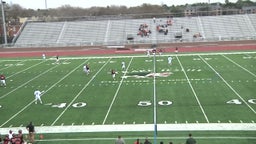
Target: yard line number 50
[[148, 103]]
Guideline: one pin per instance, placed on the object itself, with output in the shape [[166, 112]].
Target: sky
[[42, 4]]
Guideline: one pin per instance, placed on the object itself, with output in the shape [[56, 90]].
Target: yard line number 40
[[141, 103], [145, 103], [238, 102]]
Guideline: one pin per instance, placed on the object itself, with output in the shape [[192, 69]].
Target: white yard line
[[27, 82], [167, 54], [229, 85], [192, 88], [42, 95], [11, 65], [25, 69], [114, 98], [239, 65], [60, 115], [133, 138], [139, 127]]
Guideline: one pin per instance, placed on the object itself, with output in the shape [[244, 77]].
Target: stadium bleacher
[[114, 32]]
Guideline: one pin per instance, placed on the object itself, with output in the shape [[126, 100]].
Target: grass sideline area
[[196, 89], [177, 137]]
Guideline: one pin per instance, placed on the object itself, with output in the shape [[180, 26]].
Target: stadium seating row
[[115, 32]]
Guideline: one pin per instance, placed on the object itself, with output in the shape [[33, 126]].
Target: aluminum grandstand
[[126, 31]]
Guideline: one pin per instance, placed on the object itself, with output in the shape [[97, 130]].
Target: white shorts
[[3, 82], [38, 97]]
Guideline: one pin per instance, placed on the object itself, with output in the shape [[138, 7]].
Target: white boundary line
[[140, 55], [140, 127], [134, 138]]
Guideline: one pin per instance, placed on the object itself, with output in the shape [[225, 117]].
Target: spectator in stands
[[165, 31], [144, 30], [190, 139], [169, 22], [119, 140], [162, 28], [170, 143], [161, 142], [197, 35]]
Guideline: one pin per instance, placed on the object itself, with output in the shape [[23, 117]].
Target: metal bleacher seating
[[227, 27], [115, 32], [252, 19], [40, 32], [83, 32]]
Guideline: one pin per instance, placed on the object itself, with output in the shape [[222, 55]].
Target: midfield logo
[[147, 75]]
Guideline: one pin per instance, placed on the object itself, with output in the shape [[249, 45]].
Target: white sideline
[[138, 127]]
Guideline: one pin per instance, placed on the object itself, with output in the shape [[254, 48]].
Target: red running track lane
[[90, 52]]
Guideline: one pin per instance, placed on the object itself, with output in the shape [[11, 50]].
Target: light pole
[[3, 18], [45, 4]]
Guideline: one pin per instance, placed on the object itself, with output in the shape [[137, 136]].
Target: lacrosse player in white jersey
[[38, 95], [170, 60], [123, 65]]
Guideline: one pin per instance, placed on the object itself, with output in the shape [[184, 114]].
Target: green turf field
[[196, 89]]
